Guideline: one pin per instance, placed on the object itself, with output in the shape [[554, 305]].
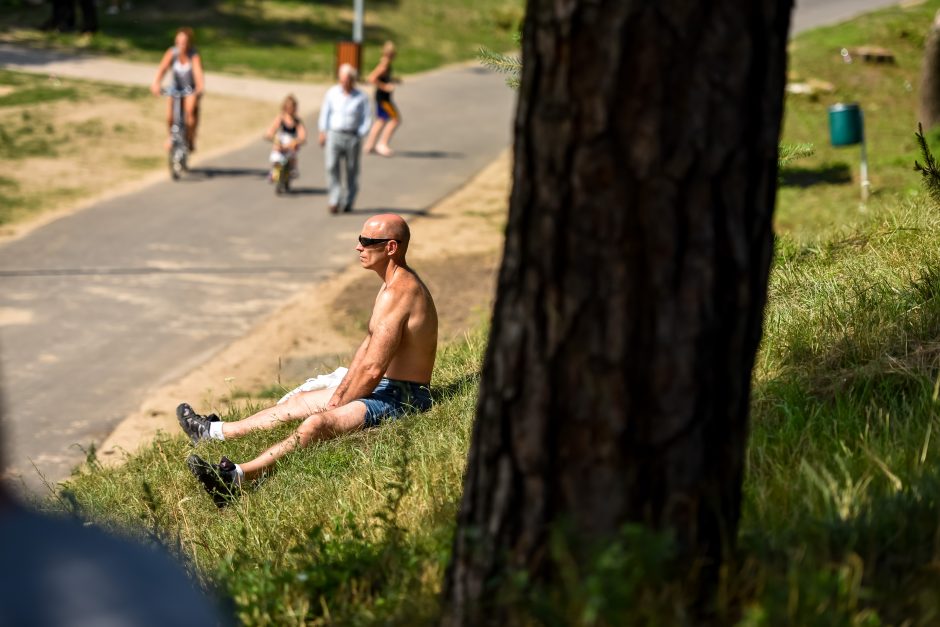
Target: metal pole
[[358, 9], [866, 185]]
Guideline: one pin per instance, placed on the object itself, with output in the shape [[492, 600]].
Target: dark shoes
[[219, 480], [336, 209], [194, 425]]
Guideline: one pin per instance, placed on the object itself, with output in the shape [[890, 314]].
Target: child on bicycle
[[288, 132]]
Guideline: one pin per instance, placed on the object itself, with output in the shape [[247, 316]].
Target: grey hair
[[348, 69]]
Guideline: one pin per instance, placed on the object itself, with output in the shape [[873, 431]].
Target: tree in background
[[616, 383], [930, 77]]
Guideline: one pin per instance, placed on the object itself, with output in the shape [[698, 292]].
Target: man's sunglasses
[[370, 241]]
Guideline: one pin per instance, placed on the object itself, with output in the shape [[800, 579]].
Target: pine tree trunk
[[629, 309], [930, 78]]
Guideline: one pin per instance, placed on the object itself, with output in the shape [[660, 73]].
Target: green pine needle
[[502, 63], [791, 152], [929, 171]]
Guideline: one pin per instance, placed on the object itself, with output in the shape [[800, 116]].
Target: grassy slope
[[326, 534], [841, 508], [287, 38], [820, 195]]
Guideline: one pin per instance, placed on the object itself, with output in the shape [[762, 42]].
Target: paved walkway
[[137, 290]]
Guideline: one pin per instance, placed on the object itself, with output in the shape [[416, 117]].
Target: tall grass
[[355, 530]]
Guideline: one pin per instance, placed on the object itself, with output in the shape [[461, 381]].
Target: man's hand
[[322, 139]]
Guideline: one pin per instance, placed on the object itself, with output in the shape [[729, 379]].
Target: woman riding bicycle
[[288, 132], [186, 65]]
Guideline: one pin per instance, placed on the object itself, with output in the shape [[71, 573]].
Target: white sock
[[240, 473], [215, 430]]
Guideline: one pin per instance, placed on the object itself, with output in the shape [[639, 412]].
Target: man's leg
[[352, 171], [297, 407], [321, 426], [332, 170]]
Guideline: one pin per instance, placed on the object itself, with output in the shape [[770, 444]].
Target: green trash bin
[[845, 124]]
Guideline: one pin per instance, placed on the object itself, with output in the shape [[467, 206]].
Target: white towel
[[320, 382]]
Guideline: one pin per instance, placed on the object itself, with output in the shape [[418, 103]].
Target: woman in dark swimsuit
[[387, 116]]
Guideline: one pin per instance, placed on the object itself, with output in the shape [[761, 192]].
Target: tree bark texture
[[930, 77], [616, 383]]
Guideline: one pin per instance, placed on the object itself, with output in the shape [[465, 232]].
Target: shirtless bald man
[[389, 374]]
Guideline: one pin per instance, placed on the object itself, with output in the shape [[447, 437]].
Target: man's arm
[[366, 117], [324, 118], [388, 323], [353, 367]]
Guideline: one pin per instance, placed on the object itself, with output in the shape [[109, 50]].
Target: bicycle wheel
[[177, 161], [280, 179]]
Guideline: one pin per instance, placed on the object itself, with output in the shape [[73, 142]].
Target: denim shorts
[[392, 398]]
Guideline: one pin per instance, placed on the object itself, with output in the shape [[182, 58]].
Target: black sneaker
[[195, 426], [219, 480]]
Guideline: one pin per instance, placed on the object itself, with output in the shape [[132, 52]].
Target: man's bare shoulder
[[407, 286]]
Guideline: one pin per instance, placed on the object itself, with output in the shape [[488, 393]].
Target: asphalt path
[[812, 13], [135, 291], [101, 306]]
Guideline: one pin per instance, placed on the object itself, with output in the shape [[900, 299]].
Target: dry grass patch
[[64, 143]]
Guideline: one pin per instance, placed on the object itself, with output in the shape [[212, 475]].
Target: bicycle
[[282, 168], [179, 146]]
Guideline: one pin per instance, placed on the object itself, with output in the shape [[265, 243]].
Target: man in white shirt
[[344, 120]]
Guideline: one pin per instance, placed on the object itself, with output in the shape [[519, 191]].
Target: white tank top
[[183, 72]]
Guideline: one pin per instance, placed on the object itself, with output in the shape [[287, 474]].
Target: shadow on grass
[[828, 174], [441, 393]]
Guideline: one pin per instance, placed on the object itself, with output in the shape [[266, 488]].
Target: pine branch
[[929, 172], [502, 63], [791, 152]]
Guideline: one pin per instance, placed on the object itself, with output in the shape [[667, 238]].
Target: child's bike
[[282, 168], [179, 147], [281, 172]]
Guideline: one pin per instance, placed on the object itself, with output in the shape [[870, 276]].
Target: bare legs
[[380, 135], [373, 135], [382, 147], [318, 424], [298, 407], [321, 426], [190, 112]]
